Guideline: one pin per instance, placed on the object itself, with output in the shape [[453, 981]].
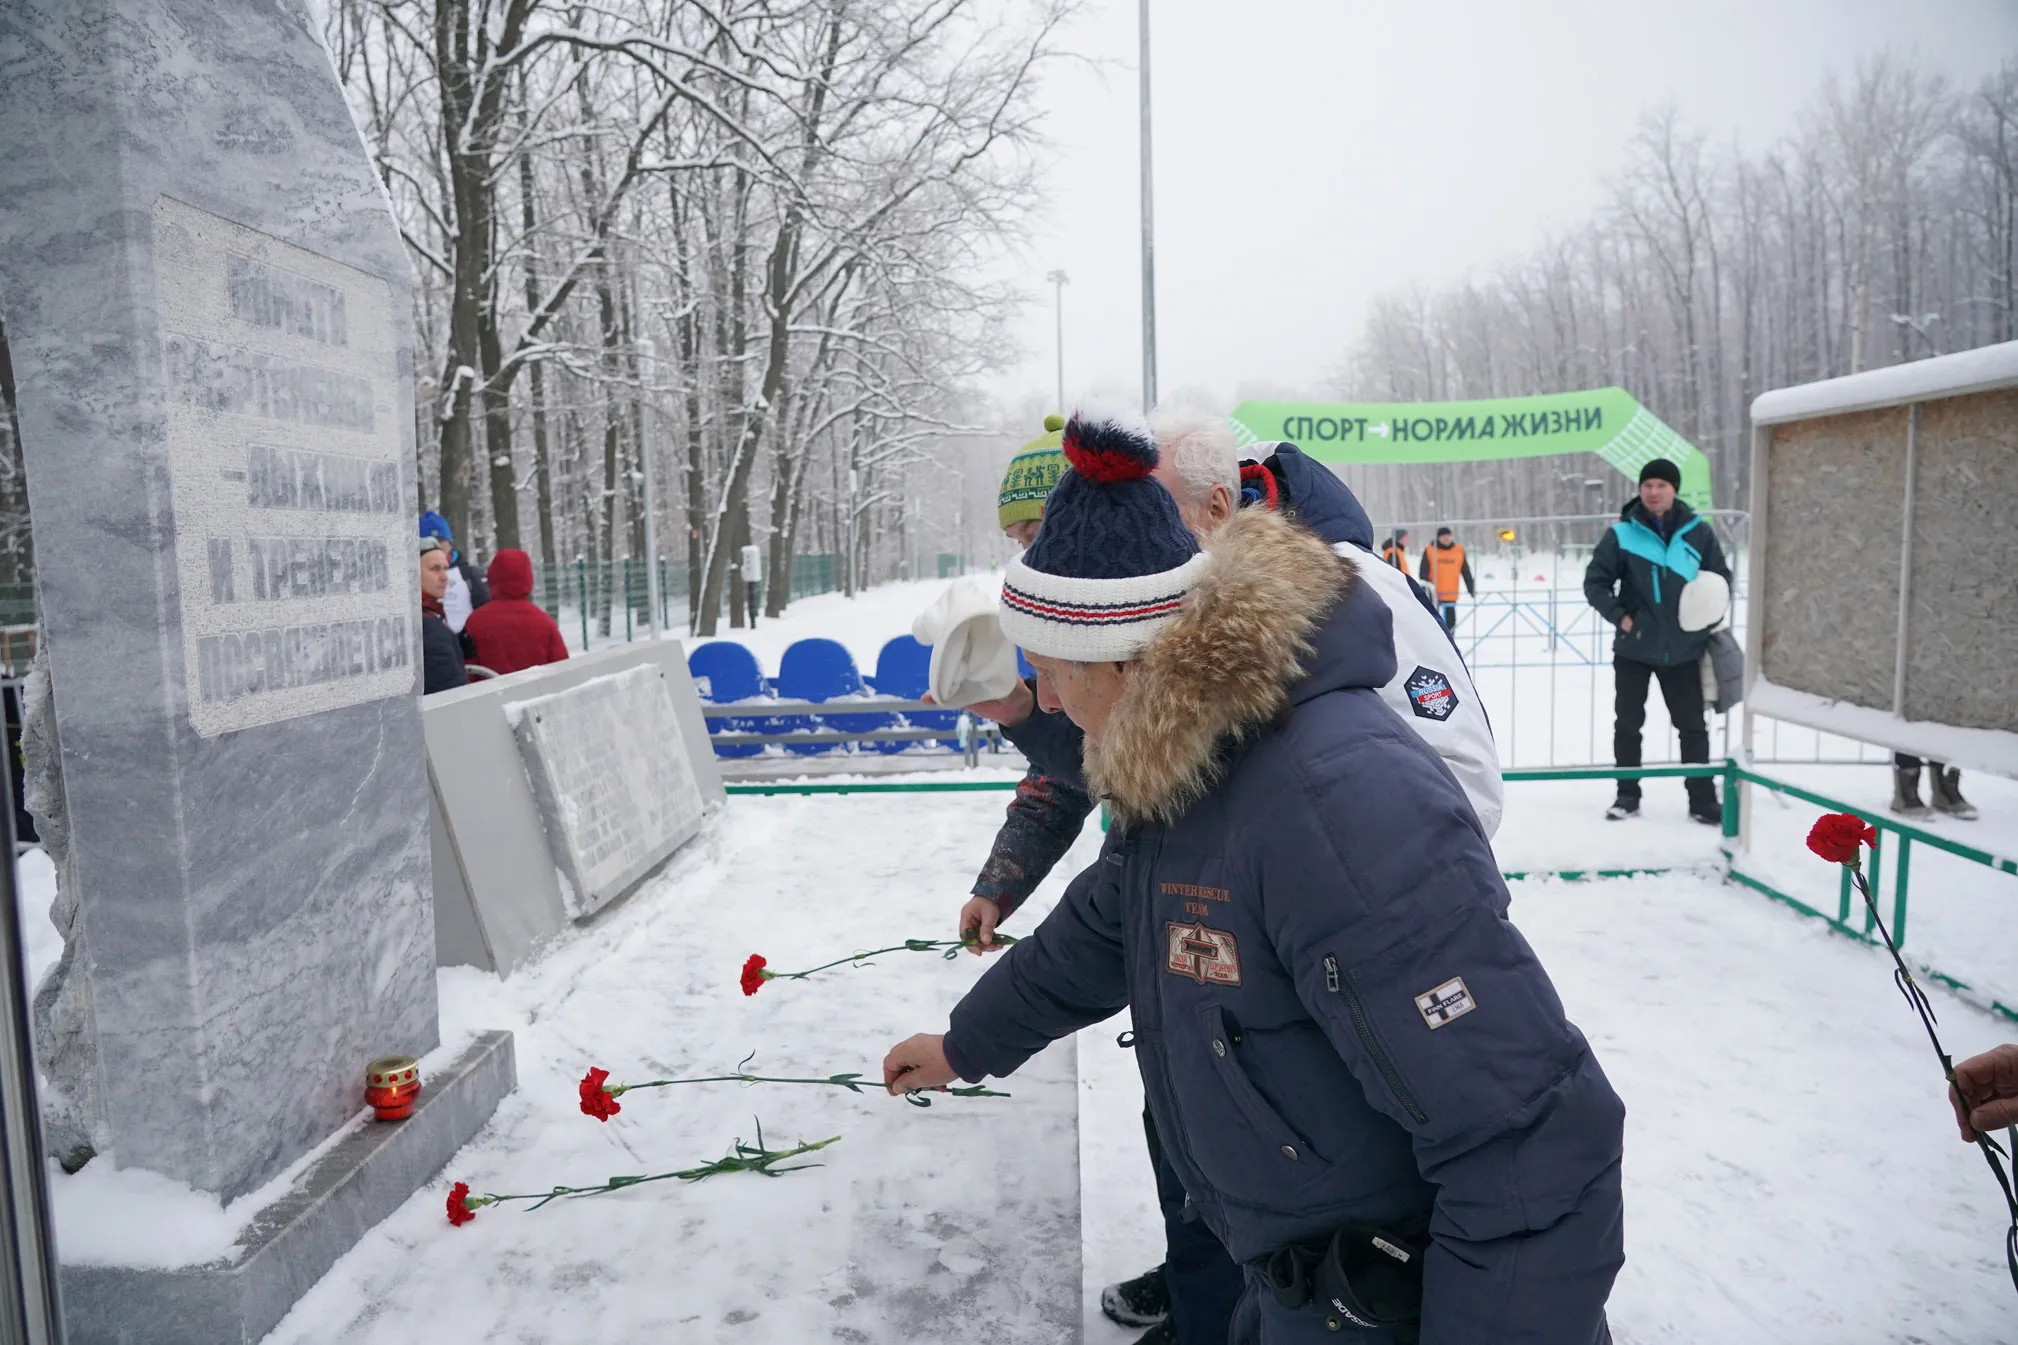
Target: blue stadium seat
[[904, 669], [725, 672], [822, 670]]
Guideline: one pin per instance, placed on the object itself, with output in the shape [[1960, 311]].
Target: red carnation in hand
[[1836, 837], [598, 1101], [459, 1213], [754, 974]]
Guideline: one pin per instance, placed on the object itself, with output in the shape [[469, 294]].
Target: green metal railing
[[1864, 930], [1890, 832], [813, 573], [879, 787]]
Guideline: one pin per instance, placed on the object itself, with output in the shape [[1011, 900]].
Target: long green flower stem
[[951, 949], [1993, 1152], [741, 1158], [852, 1082]]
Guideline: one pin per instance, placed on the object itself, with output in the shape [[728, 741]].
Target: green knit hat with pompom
[[1032, 473]]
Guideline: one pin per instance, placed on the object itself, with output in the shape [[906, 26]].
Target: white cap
[[1704, 601], [972, 660]]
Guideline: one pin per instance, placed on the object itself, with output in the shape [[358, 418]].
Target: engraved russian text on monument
[[297, 578]]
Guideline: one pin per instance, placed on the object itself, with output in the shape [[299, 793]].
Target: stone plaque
[[293, 529], [609, 770]]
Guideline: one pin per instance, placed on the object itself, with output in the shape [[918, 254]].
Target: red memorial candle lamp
[[392, 1085]]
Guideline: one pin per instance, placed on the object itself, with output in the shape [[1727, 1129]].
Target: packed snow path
[[1792, 1172]]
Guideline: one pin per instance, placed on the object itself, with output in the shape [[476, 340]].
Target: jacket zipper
[[1336, 984]]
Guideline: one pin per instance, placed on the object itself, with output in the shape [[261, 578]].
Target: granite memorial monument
[[207, 304]]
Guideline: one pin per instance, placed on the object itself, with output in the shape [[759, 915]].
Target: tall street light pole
[[1058, 283], [1148, 233], [647, 454]]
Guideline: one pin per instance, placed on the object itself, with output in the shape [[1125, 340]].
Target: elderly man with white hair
[[1432, 691]]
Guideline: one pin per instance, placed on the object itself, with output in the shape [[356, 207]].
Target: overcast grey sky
[[1311, 154]]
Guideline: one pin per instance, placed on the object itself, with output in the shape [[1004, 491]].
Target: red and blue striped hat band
[[1092, 620]]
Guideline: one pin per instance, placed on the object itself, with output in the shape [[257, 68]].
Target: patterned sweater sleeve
[[1044, 819]]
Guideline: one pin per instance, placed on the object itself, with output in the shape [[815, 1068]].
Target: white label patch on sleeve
[[1447, 1002]]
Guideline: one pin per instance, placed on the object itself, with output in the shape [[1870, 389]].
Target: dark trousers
[[750, 593], [1204, 1282], [1906, 762], [1682, 689], [1449, 615]]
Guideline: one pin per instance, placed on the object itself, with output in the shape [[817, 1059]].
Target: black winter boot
[[1703, 805], [1906, 791], [1945, 784], [1142, 1301]]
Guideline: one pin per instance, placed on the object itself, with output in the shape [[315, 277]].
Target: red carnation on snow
[[1837, 836], [459, 1212], [598, 1101], [754, 974]]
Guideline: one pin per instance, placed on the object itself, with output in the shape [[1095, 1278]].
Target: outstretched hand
[[1985, 1095], [978, 919], [917, 1062]]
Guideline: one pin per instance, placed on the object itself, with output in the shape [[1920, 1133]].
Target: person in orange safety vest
[[1395, 550], [1443, 565]]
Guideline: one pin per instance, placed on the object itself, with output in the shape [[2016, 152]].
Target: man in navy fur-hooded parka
[[1337, 1026]]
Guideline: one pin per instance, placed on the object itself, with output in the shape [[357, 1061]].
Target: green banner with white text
[[1607, 422]]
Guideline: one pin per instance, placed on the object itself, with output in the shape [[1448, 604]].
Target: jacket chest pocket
[[1238, 1140]]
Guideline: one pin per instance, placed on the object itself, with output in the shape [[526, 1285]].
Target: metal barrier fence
[[1541, 656]]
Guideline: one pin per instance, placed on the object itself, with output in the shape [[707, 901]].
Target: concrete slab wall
[[497, 890], [1837, 487], [1962, 631], [1885, 556]]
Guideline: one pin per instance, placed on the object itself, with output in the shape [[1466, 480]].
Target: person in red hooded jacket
[[510, 631]]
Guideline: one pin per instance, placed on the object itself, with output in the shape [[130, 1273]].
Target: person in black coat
[[440, 648], [1635, 581]]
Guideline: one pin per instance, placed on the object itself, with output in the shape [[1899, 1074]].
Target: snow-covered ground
[[1792, 1172], [651, 992]]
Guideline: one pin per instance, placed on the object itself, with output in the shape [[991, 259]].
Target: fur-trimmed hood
[[1277, 619]]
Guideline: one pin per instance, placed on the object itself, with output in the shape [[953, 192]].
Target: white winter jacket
[[1432, 691]]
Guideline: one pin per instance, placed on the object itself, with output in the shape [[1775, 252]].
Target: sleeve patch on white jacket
[[1430, 694]]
